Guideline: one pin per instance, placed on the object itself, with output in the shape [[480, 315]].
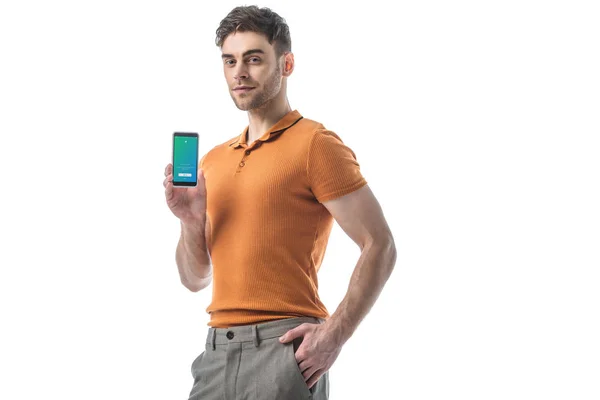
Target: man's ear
[[288, 63]]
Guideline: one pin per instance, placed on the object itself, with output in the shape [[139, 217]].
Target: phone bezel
[[185, 134]]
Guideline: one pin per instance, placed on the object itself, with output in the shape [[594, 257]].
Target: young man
[[257, 226]]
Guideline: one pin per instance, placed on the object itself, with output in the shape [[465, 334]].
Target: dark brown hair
[[259, 20]]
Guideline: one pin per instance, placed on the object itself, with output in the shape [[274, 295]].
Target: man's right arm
[[192, 256]]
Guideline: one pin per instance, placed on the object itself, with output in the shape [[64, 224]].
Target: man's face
[[252, 71]]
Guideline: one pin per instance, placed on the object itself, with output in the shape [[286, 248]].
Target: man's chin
[[243, 107]]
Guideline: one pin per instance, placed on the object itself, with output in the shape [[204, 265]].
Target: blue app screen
[[185, 159]]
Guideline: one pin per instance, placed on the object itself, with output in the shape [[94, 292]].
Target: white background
[[475, 123]]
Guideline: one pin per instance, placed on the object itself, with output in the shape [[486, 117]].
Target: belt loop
[[213, 337], [255, 335]]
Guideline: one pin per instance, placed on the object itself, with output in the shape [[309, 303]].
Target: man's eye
[[254, 59], [229, 62]]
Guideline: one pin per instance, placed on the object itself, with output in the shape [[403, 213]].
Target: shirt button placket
[[243, 162]]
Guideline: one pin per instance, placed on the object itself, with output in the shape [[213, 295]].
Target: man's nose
[[241, 72]]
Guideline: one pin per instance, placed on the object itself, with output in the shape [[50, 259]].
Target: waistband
[[256, 332]]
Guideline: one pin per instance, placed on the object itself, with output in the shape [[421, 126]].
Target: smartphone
[[185, 159]]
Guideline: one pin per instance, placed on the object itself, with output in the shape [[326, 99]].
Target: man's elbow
[[197, 285], [393, 256], [389, 249]]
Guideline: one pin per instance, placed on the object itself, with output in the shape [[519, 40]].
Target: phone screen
[[185, 159]]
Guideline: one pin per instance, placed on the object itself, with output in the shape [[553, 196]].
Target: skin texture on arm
[[192, 256], [360, 216]]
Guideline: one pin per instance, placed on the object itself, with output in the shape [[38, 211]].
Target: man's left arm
[[360, 216]]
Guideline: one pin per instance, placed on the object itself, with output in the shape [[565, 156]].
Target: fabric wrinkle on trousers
[[248, 362]]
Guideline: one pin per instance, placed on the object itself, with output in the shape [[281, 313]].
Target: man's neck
[[260, 120]]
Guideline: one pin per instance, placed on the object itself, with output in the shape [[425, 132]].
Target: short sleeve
[[332, 168]]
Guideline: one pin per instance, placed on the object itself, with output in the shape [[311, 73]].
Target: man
[[257, 226]]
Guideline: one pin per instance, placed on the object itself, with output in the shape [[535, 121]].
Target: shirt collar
[[284, 123]]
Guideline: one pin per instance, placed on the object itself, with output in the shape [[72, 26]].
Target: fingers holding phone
[[185, 190], [168, 182], [171, 190]]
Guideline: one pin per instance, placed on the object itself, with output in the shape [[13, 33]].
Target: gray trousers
[[248, 362]]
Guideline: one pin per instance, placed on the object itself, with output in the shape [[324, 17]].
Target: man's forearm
[[372, 271], [192, 257]]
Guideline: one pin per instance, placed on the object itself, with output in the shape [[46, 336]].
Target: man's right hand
[[187, 203]]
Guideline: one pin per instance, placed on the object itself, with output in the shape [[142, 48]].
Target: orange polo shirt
[[269, 229]]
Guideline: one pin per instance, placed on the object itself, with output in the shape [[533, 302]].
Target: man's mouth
[[242, 89]]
